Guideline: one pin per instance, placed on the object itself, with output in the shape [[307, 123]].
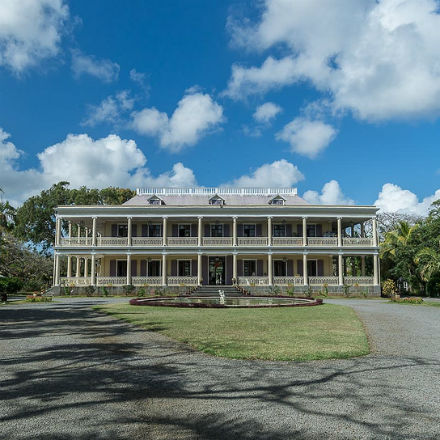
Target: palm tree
[[428, 261], [396, 238]]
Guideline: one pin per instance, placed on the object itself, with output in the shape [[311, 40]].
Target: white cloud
[[196, 114], [79, 159], [105, 70], [140, 79], [266, 112], [30, 31], [110, 109], [331, 194], [280, 173], [393, 198], [307, 137], [377, 59]]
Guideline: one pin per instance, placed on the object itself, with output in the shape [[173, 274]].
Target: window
[[279, 268], [184, 231], [312, 268], [184, 268], [153, 268], [155, 202], [311, 231], [155, 230], [121, 268], [217, 230], [249, 231], [277, 201], [216, 200], [279, 230], [249, 268], [122, 231]]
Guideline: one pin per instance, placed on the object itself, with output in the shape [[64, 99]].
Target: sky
[[341, 101]]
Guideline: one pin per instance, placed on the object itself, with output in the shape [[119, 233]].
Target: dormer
[[216, 200], [154, 200], [277, 200]]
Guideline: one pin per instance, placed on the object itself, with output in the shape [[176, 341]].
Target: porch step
[[213, 291]]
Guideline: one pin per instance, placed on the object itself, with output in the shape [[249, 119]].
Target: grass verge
[[284, 334]]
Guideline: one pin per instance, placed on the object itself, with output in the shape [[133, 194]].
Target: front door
[[217, 270]]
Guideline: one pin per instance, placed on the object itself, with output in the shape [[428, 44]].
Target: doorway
[[217, 270]]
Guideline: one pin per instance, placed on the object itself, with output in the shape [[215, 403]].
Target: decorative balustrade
[[287, 241], [357, 241], [144, 281], [217, 241], [75, 281], [177, 281], [111, 281], [182, 241], [322, 241], [76, 241], [320, 281], [361, 281], [252, 241], [253, 281], [112, 241], [147, 241], [285, 281]]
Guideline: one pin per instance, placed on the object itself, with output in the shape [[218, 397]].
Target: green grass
[[304, 333]]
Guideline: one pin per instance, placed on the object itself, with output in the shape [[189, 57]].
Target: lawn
[[305, 333]]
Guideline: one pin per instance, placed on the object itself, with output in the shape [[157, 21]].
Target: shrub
[[141, 292], [324, 291], [290, 290], [346, 289], [37, 298], [90, 290], [309, 292], [10, 285], [409, 300], [274, 290], [104, 290], [128, 289], [389, 288]]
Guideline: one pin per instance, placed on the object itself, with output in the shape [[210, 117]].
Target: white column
[[78, 266], [362, 229], [86, 267], [305, 273], [199, 232], [93, 271], [340, 273], [363, 265], [79, 231], [339, 231], [57, 231], [234, 267], [70, 229], [128, 269], [57, 270], [94, 231], [69, 266], [199, 269], [234, 232], [269, 269], [164, 231], [376, 270], [86, 232], [304, 231], [374, 231], [164, 270], [129, 231], [269, 231]]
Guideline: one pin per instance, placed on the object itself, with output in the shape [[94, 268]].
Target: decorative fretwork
[[361, 281], [76, 241], [75, 281], [252, 241], [285, 281], [287, 241], [143, 281], [322, 241], [147, 241], [320, 281], [111, 281], [253, 281], [182, 241], [112, 241], [357, 241], [177, 281], [217, 241]]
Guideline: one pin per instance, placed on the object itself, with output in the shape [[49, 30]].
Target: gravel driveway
[[68, 372]]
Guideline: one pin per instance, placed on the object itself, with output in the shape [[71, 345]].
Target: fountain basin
[[228, 302]]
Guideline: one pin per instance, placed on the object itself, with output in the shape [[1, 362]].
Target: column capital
[[129, 217], [200, 217], [339, 218], [270, 217], [164, 216], [305, 217], [94, 217]]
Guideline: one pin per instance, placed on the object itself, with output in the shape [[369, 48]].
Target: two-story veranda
[[194, 236]]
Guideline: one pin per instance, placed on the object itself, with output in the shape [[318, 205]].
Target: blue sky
[[343, 106]]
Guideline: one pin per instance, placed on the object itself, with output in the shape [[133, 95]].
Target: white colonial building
[[232, 236]]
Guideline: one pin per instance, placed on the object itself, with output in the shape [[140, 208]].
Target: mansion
[[250, 237]]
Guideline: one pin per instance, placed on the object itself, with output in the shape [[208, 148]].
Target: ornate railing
[[361, 281], [75, 281], [285, 281], [76, 241], [252, 241], [182, 241], [112, 241], [177, 281], [287, 241], [357, 241], [111, 281], [143, 281], [147, 241], [320, 281], [253, 281], [322, 241], [217, 241]]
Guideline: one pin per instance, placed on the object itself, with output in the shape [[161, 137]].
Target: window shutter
[[228, 275], [226, 230], [207, 230], [288, 230], [240, 230], [259, 230], [205, 269], [320, 268], [299, 230], [300, 268], [289, 268], [174, 231], [134, 268], [114, 230], [319, 230], [112, 268], [240, 268], [173, 268], [193, 230], [259, 268], [144, 230], [143, 268], [134, 230], [193, 268]]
